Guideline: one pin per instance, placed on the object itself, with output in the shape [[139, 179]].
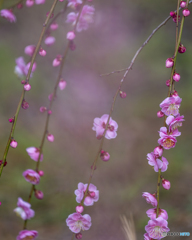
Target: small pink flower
[[40, 1], [84, 20], [42, 109], [20, 67], [181, 49], [34, 153], [150, 198], [39, 194], [155, 162], [92, 194], [104, 156], [157, 227], [31, 176], [74, 3], [42, 52], [168, 140], [169, 63], [186, 12], [41, 173], [54, 26], [13, 143], [158, 151], [171, 105], [49, 40], [27, 87], [70, 35], [27, 234], [99, 125], [29, 3], [77, 222], [176, 77], [24, 209], [62, 84], [7, 14], [166, 184], [174, 122], [50, 138], [30, 49], [151, 213]]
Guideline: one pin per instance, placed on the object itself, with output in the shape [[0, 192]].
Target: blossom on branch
[[77, 222], [24, 209], [27, 234], [150, 198], [99, 126], [7, 14], [34, 153], [168, 140], [171, 105], [31, 176]]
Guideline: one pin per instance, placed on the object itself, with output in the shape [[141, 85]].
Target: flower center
[[110, 127], [168, 143], [176, 125], [28, 238], [172, 109], [79, 224], [30, 178]]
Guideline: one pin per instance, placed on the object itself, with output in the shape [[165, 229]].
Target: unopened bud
[[104, 155], [160, 114], [25, 104], [62, 84], [13, 143], [27, 87], [186, 12], [122, 94], [158, 151], [169, 63], [72, 45], [49, 112], [42, 52], [79, 209], [166, 184], [5, 163], [181, 48], [41, 173], [11, 120], [42, 109], [78, 235], [39, 194], [183, 4], [174, 94], [168, 82], [176, 77], [50, 137]]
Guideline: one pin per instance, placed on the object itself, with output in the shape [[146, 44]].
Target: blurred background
[[119, 29]]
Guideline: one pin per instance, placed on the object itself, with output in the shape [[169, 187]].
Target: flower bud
[[57, 61], [78, 235], [168, 82], [42, 52], [39, 194], [41, 173], [53, 26], [186, 12], [176, 77], [122, 94], [49, 40], [62, 84], [172, 14], [49, 112], [183, 4], [27, 87], [42, 109], [158, 151], [169, 63], [160, 114], [19, 5], [5, 163], [70, 35], [13, 143], [23, 82], [72, 45], [104, 155], [92, 194], [166, 184], [25, 104], [11, 120], [174, 94], [181, 48], [79, 209], [50, 137], [29, 3], [29, 50]]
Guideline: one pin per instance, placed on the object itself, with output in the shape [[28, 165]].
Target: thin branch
[[139, 50]]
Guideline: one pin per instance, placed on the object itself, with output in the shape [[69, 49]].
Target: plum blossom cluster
[[168, 134], [86, 194]]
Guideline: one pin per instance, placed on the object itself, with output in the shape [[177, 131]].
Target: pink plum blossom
[[42, 52], [168, 140], [33, 152], [27, 234], [79, 209], [74, 3], [183, 4], [176, 77], [50, 138], [151, 213], [27, 87], [39, 194], [77, 222], [186, 12], [165, 164], [146, 237], [31, 176], [104, 156], [150, 198], [99, 125], [40, 1], [84, 20], [70, 35], [182, 48], [157, 227], [57, 61], [30, 49], [50, 40], [20, 67], [160, 114], [158, 151], [7, 14], [174, 122], [171, 105], [155, 162], [92, 194], [24, 209], [169, 63]]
